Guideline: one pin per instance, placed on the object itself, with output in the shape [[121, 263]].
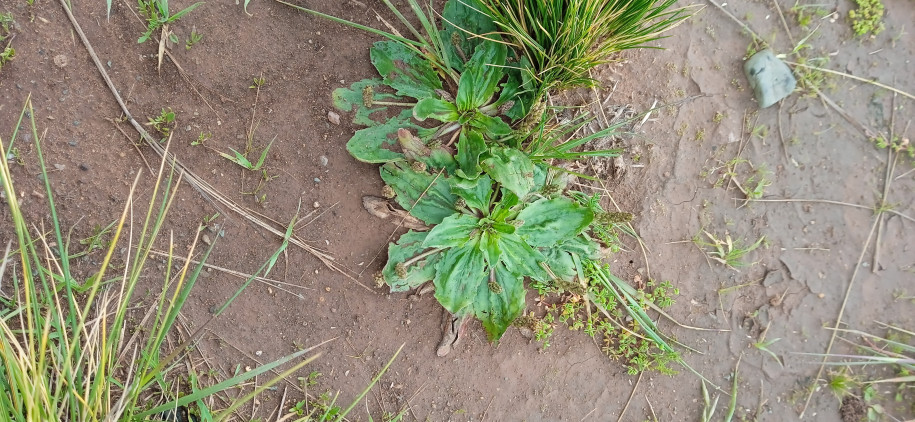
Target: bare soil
[[813, 247]]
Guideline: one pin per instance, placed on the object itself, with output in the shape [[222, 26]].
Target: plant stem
[[416, 258]]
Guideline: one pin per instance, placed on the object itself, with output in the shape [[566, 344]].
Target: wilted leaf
[[370, 144], [459, 44], [354, 98], [404, 70], [431, 207], [408, 246]]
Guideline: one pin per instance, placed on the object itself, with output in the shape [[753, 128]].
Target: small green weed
[[16, 155], [753, 187], [242, 160], [841, 383], [194, 38], [164, 122], [727, 251], [612, 302], [806, 13], [6, 21], [202, 138], [96, 240], [809, 80], [764, 345], [7, 55], [757, 183], [897, 144], [157, 15], [709, 406], [310, 381], [867, 19], [260, 198], [760, 131]]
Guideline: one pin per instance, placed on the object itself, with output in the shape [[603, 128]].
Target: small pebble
[[258, 353], [61, 60], [323, 160], [60, 167], [317, 180], [84, 167], [206, 239], [317, 204], [73, 143], [333, 117]]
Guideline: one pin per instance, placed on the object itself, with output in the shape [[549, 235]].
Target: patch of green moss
[[867, 18]]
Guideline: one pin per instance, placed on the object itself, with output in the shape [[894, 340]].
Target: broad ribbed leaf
[[581, 245], [431, 207], [370, 145], [459, 44], [512, 168], [458, 276], [476, 193], [561, 265], [453, 231], [489, 245], [499, 301], [492, 127], [481, 76], [562, 258], [519, 257], [408, 246], [504, 206], [404, 70], [441, 110], [469, 147], [550, 221], [440, 158]]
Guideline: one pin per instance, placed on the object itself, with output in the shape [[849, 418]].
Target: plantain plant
[[467, 156]]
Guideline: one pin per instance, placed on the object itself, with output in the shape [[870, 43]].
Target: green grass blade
[[229, 383], [415, 44], [732, 406], [187, 10], [342, 415], [260, 161], [246, 398]]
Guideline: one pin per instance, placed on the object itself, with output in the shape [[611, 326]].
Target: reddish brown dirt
[[816, 246]]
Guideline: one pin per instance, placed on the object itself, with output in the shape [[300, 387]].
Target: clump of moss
[[867, 18]]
